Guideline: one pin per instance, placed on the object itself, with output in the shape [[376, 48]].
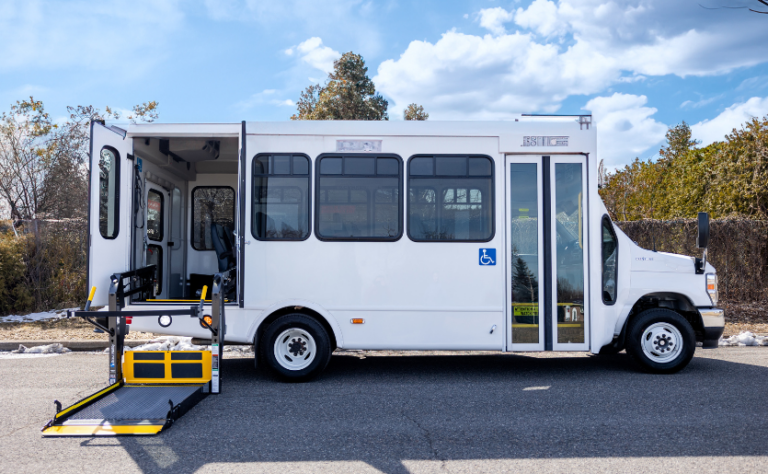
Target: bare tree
[[764, 3]]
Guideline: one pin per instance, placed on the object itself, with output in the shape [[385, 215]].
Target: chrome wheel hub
[[295, 349], [662, 342]]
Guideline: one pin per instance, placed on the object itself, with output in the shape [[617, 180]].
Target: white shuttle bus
[[388, 235]]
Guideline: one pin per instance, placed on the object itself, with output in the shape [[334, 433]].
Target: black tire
[[303, 326], [611, 349], [655, 363]]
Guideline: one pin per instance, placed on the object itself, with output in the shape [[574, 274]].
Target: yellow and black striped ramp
[[159, 387], [126, 410]]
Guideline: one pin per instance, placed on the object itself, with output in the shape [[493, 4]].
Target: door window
[[569, 254], [155, 257], [524, 252], [155, 215], [109, 192], [610, 251]]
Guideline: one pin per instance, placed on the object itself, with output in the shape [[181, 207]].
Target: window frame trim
[[117, 194], [436, 176], [603, 220], [162, 214], [192, 215], [400, 185], [309, 193]]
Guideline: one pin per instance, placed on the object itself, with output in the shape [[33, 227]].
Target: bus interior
[[183, 214]]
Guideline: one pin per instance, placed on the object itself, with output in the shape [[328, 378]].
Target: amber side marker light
[[208, 320], [357, 321]]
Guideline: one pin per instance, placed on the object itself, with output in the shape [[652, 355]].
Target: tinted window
[[155, 257], [610, 250], [109, 193], [450, 198], [358, 198], [155, 215], [280, 198], [211, 204]]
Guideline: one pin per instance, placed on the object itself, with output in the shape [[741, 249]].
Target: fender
[[305, 304]]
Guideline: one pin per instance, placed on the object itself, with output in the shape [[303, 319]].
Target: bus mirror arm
[[702, 242]]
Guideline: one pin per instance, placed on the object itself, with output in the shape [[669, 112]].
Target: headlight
[[712, 287]]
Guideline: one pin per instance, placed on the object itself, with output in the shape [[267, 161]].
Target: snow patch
[[745, 338], [55, 348], [32, 317], [168, 343], [177, 343]]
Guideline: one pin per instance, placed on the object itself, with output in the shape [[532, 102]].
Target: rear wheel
[[296, 347], [661, 341]]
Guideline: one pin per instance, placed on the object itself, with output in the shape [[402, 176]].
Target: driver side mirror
[[702, 239]]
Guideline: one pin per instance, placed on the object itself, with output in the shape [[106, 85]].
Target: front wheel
[[296, 347], [661, 341]]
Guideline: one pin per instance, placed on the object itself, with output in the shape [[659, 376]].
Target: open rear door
[[240, 225], [109, 228]]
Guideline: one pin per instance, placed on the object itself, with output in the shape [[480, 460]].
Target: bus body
[[389, 235]]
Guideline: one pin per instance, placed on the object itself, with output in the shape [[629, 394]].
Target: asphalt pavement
[[394, 414]]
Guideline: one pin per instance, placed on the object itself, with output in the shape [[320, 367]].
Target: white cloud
[[491, 77], [625, 127], [709, 131], [493, 19], [313, 52], [543, 17], [597, 43], [701, 102]]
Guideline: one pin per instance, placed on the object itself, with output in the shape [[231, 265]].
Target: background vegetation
[[44, 190]]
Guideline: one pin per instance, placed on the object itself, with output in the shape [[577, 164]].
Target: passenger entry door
[[109, 229], [547, 253], [157, 246]]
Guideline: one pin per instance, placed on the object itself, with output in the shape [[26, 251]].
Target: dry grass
[[73, 329]]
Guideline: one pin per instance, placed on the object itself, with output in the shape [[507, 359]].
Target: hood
[[649, 261]]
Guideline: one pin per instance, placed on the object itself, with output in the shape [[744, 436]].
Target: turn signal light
[[208, 320], [357, 321]]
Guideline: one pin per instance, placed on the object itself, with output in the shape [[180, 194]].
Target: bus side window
[[280, 197], [450, 198], [610, 251], [109, 192], [211, 205], [359, 198]]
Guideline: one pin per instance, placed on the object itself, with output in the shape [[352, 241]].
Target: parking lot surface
[[417, 414]]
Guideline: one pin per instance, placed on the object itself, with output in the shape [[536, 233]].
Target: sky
[[639, 66]]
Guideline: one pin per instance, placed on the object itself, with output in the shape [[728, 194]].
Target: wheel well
[[295, 309], [674, 301]]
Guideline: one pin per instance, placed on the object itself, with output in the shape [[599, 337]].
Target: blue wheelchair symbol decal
[[487, 257]]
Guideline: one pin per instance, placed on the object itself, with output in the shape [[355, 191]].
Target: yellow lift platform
[[148, 390]]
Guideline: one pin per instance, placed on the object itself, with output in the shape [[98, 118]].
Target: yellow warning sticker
[[525, 309]]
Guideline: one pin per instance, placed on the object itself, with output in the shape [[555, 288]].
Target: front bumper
[[713, 323]]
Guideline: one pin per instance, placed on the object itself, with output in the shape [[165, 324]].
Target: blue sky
[[638, 65]]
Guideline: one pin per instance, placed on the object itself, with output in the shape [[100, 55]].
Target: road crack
[[428, 436]]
